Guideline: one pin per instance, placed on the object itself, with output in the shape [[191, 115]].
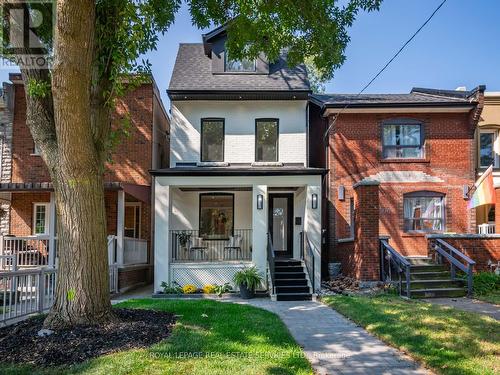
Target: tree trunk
[[82, 292]]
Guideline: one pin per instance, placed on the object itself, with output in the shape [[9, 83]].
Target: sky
[[459, 47]]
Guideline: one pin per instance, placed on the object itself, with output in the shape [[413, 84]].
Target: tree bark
[[82, 291]]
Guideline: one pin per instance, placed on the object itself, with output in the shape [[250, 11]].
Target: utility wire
[[385, 66]]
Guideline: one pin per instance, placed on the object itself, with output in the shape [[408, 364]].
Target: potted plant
[[184, 238], [247, 279]]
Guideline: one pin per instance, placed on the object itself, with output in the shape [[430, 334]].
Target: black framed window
[[424, 211], [402, 140], [266, 140], [239, 65], [487, 154], [212, 139], [216, 215]]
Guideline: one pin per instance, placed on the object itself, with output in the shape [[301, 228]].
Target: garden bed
[[20, 343]]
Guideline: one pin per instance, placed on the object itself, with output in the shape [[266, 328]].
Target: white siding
[[239, 118]]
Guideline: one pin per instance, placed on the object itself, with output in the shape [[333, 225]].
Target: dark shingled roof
[[193, 72], [417, 97]]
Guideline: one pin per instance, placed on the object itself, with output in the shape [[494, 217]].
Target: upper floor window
[[402, 140], [266, 140], [41, 213], [212, 140], [424, 211], [241, 65], [487, 154]]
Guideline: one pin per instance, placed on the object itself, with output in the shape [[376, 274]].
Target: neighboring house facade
[[238, 170], [413, 154], [32, 218], [488, 153]]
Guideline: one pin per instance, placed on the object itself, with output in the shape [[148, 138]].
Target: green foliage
[[221, 289], [315, 29], [486, 282], [184, 238], [173, 288], [250, 277], [38, 88]]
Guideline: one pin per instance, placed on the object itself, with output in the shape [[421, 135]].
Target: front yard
[[209, 338], [447, 340]]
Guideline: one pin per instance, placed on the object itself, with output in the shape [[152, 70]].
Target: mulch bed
[[133, 328]]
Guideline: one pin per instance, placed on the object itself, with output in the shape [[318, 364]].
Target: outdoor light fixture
[[314, 201], [260, 201]]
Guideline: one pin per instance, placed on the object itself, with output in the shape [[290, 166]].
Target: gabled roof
[[418, 97], [193, 73]]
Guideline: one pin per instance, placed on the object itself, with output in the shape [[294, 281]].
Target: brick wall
[[480, 249], [21, 219], [355, 153], [133, 276], [131, 159]]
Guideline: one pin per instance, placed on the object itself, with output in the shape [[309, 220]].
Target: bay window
[[402, 140], [424, 212]]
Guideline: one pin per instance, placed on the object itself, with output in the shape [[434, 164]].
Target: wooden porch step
[[290, 282], [432, 267], [294, 297], [416, 261], [433, 275], [289, 268], [291, 289], [434, 284], [289, 275], [287, 262], [439, 292]]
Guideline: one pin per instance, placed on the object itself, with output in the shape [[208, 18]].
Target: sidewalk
[[470, 305]]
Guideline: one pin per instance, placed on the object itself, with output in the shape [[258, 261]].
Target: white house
[[239, 191]]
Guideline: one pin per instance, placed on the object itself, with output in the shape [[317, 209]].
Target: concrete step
[[290, 282], [438, 292], [294, 297], [429, 268], [289, 269], [419, 260], [289, 275], [434, 284], [289, 289], [432, 275]]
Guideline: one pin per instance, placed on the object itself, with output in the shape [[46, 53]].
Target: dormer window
[[239, 66]]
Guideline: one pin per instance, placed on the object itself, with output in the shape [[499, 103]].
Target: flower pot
[[246, 293]]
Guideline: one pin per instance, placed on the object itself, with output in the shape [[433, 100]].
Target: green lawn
[[491, 297], [209, 338], [446, 339]]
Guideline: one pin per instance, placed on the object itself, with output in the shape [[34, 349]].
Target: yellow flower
[[189, 288], [209, 289]]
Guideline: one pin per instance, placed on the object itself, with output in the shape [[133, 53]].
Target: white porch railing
[[135, 251], [25, 292], [29, 251], [487, 228]]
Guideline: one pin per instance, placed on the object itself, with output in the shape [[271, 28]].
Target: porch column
[[312, 226], [161, 241], [259, 229], [120, 226], [52, 230]]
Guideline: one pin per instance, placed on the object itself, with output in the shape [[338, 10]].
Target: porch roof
[[238, 171], [141, 192]]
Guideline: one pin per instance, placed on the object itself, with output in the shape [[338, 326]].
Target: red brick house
[[398, 166], [28, 190]]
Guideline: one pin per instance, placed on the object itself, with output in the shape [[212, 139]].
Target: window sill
[[417, 234], [212, 164], [344, 240], [396, 160], [267, 164]]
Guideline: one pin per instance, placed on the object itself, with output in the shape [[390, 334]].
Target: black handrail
[[445, 250], [308, 257], [270, 262], [398, 261]]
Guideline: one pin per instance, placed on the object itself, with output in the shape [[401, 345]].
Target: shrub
[[248, 277], [221, 289], [171, 289], [486, 282], [209, 289], [189, 289]]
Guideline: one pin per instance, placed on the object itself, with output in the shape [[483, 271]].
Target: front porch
[[206, 229]]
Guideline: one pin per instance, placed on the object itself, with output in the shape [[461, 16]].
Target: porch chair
[[197, 249], [233, 250]]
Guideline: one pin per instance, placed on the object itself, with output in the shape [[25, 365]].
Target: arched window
[[424, 212]]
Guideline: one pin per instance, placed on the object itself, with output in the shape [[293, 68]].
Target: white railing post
[[41, 290]]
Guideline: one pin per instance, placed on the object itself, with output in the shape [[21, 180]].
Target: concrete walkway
[[470, 305], [335, 345]]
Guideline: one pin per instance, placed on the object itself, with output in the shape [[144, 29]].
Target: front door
[[281, 223]]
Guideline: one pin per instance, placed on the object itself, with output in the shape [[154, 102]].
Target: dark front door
[[281, 223]]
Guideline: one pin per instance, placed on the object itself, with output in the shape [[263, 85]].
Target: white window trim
[[47, 218], [495, 145], [135, 204]]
